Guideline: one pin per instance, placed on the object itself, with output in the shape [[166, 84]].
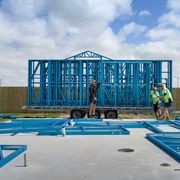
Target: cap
[[93, 81], [160, 85]]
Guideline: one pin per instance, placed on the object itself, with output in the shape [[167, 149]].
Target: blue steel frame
[[55, 126], [96, 128], [36, 125], [81, 126], [18, 150], [169, 142], [124, 83]]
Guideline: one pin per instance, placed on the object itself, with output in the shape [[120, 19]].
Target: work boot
[[161, 118]]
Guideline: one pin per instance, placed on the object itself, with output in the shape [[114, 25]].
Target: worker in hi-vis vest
[[167, 100], [155, 97]]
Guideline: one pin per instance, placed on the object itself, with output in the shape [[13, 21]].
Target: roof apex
[[87, 55]]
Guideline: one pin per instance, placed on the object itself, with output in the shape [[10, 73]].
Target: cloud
[[164, 39], [58, 29], [144, 13], [173, 5], [170, 19], [163, 34], [131, 30], [53, 29]]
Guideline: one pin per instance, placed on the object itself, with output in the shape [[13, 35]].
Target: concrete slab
[[89, 157], [167, 128]]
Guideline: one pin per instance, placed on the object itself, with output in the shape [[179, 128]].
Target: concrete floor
[[89, 158]]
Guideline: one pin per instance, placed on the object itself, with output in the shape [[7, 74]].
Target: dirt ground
[[66, 115]]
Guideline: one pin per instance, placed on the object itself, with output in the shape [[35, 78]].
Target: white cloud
[[58, 29], [164, 39], [174, 5], [53, 29], [144, 13], [132, 29], [170, 19], [163, 34]]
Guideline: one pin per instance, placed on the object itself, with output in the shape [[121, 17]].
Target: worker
[[93, 97], [155, 97], [167, 101]]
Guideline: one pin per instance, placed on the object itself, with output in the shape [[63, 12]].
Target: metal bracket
[[18, 150]]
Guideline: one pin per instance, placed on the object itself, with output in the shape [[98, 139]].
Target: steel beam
[[18, 150], [66, 82], [169, 142]]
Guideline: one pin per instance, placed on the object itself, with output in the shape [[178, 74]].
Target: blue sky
[[155, 8], [120, 29]]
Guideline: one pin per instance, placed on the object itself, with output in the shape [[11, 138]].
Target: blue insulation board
[[169, 142]]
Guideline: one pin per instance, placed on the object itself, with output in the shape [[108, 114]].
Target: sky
[[56, 29]]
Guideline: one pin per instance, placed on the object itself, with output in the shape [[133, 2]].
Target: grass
[[145, 116], [66, 115], [41, 115], [37, 115]]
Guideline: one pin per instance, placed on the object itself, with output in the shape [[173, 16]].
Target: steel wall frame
[[124, 83], [18, 150], [55, 126], [169, 142]]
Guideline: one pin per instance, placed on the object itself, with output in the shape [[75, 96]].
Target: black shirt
[[93, 89]]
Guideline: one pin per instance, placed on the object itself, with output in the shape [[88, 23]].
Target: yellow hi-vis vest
[[167, 95], [154, 96]]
